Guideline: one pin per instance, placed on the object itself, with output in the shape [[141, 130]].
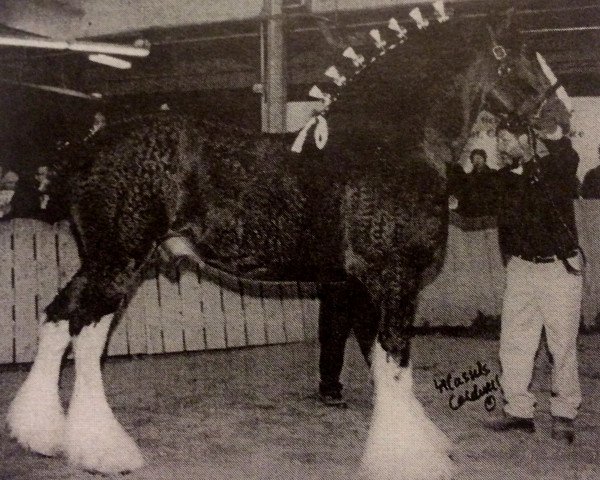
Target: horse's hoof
[[103, 446], [36, 428]]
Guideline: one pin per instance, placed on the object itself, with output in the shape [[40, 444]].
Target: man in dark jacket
[[591, 182], [536, 226]]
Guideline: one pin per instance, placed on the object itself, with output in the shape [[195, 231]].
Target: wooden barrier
[[188, 313], [471, 281], [473, 276], [193, 313]]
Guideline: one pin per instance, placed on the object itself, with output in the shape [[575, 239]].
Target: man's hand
[[553, 120], [452, 202]]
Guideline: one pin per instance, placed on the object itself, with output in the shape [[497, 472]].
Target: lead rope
[[538, 179]]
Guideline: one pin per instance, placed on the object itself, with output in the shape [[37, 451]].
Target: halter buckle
[[499, 52]]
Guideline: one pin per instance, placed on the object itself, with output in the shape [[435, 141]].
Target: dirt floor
[[253, 414]]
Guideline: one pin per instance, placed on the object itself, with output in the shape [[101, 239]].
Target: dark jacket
[[591, 184], [476, 191], [536, 217]]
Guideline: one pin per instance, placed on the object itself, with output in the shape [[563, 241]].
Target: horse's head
[[516, 87], [427, 86]]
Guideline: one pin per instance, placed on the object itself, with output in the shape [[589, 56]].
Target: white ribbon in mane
[[321, 134]]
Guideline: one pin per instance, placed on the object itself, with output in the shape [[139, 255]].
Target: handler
[[536, 225]]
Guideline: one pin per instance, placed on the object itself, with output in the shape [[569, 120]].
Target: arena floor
[[253, 414]]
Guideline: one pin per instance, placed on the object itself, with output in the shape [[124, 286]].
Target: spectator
[[8, 185], [591, 182], [473, 194], [478, 159]]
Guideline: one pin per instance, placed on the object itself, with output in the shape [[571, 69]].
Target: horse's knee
[[88, 297]]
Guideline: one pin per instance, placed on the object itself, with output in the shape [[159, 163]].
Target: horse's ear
[[503, 28], [508, 19], [331, 34]]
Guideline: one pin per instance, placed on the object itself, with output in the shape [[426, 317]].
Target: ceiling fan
[[50, 88], [98, 52]]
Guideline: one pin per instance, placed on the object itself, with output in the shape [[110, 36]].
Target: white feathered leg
[[94, 438], [36, 417], [403, 444]]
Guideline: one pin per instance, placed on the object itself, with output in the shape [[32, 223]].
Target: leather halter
[[518, 115]]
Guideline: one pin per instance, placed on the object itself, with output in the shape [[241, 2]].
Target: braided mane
[[386, 107]]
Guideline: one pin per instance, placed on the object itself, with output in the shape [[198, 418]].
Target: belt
[[546, 259]]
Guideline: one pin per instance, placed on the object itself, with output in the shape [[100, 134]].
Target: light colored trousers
[[536, 296]]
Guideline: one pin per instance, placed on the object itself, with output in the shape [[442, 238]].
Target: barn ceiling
[[202, 45], [215, 45], [205, 56]]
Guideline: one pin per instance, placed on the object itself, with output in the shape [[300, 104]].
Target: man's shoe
[[509, 422], [563, 429], [333, 400]]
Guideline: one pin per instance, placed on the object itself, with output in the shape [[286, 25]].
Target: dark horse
[[370, 208]]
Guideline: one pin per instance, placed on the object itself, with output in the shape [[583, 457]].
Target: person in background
[[472, 194], [478, 159], [591, 182], [345, 307], [8, 185]]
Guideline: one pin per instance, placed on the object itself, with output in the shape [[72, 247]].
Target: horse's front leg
[[403, 443], [94, 438], [36, 417]]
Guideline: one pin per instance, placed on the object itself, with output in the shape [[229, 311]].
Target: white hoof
[[101, 445], [403, 443], [37, 426]]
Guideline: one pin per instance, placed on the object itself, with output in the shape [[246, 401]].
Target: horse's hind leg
[[36, 417]]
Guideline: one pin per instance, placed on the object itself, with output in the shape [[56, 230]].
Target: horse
[[364, 203]]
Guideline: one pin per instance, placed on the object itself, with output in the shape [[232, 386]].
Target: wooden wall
[[165, 316]]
